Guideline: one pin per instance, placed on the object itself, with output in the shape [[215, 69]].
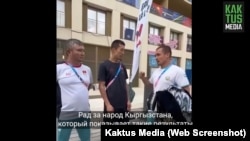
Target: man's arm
[[187, 88], [182, 80], [127, 88], [126, 84], [91, 86], [102, 89], [91, 80], [145, 80], [128, 96]]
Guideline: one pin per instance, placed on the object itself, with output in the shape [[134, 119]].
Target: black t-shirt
[[117, 91]]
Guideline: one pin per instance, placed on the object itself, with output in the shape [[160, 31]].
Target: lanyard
[[165, 69], [78, 76], [118, 71]]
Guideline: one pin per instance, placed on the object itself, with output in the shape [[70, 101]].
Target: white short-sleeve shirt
[[173, 76], [74, 94]]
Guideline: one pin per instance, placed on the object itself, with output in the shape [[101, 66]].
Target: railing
[[162, 12]]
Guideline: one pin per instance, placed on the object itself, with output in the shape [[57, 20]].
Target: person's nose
[[82, 53]]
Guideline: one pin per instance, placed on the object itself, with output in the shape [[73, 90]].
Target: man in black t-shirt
[[112, 83]]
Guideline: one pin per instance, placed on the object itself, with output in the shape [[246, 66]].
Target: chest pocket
[[66, 74], [167, 80]]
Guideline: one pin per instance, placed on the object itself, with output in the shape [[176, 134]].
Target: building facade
[[98, 22]]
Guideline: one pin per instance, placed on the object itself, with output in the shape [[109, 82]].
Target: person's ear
[[168, 54], [112, 49], [67, 52]]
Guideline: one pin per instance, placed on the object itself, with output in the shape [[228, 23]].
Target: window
[[152, 61], [96, 21], [60, 13], [175, 61], [189, 44], [174, 36], [188, 64], [60, 50], [154, 30], [129, 27], [189, 70], [154, 37]]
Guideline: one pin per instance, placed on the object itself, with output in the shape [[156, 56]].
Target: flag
[[142, 19], [129, 34]]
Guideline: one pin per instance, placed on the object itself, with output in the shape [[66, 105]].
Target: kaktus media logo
[[233, 16]]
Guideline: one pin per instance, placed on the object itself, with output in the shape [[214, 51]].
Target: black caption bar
[[168, 132]]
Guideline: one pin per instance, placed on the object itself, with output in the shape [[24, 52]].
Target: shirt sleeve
[[57, 72], [181, 78], [151, 79], [125, 71], [102, 72], [90, 76]]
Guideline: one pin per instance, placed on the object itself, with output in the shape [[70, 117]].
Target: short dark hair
[[165, 49], [116, 43]]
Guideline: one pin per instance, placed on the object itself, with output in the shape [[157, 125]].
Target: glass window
[[154, 30], [174, 36], [60, 13], [175, 61], [188, 64], [91, 26], [129, 27], [154, 37], [189, 70], [125, 23], [189, 44], [60, 50], [101, 28], [101, 17], [91, 14], [96, 21]]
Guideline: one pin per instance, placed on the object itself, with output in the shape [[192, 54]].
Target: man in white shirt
[[167, 74], [74, 80]]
